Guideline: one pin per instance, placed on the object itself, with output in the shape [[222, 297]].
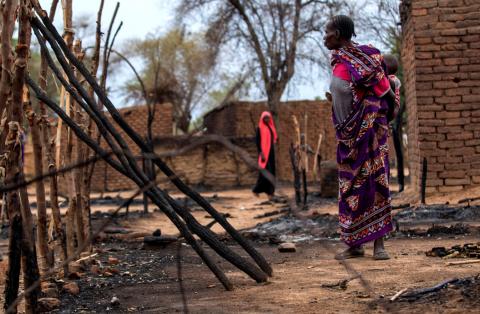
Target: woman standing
[[266, 137], [361, 96]]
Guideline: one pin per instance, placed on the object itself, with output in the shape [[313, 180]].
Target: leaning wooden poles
[[126, 163]]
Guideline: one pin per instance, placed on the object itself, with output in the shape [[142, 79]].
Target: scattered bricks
[[454, 182], [447, 189], [460, 136], [471, 98], [287, 247], [447, 114], [445, 69]]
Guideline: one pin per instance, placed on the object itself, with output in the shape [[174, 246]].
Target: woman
[[361, 96], [266, 137]]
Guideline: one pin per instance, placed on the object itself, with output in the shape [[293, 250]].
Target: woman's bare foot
[[352, 252], [256, 194], [379, 252]]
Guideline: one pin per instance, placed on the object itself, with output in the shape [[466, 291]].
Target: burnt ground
[[173, 278]]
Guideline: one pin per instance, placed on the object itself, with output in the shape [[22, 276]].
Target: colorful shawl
[[362, 152], [266, 138]]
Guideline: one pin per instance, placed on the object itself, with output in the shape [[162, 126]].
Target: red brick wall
[[240, 119], [136, 117], [440, 53]]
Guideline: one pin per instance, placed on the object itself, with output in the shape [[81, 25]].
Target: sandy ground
[[298, 277]]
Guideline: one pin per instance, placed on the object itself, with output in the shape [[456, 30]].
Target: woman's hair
[[344, 25]]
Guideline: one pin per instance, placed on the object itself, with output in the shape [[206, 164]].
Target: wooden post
[[424, 179]]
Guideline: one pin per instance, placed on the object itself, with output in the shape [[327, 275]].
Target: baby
[[391, 64]]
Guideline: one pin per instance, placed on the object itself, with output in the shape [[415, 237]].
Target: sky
[[141, 17]]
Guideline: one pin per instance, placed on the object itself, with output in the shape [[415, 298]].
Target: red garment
[[340, 70], [265, 137]]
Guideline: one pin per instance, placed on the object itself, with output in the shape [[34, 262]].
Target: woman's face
[[266, 119], [331, 39]]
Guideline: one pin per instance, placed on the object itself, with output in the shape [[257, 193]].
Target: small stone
[[113, 260], [107, 274], [287, 247], [48, 304], [75, 276], [72, 288], [211, 286], [50, 292], [157, 233], [115, 301], [95, 269]]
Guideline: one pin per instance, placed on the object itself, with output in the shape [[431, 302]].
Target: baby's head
[[392, 64]]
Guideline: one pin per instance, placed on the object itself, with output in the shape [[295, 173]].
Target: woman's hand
[[262, 156]]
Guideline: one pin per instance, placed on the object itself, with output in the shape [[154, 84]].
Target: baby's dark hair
[[344, 24], [391, 63]]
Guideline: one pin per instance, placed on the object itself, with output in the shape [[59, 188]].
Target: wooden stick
[[315, 160], [398, 294], [258, 258], [474, 261]]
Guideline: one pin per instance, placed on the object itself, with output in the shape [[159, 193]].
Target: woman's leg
[[379, 252], [351, 252]]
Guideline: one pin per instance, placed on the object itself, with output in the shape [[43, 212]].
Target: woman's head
[[266, 117], [338, 32]]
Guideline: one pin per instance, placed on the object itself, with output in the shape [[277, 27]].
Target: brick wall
[[440, 52], [240, 119], [104, 176]]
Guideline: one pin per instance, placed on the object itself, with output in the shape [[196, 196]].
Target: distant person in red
[[266, 137]]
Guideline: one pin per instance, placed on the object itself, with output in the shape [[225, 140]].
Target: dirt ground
[[152, 281]]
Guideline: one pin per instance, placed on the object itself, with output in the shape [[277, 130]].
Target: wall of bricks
[[440, 54], [239, 119], [107, 178]]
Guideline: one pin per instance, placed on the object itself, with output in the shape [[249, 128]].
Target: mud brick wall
[[104, 176], [239, 119], [208, 165], [440, 54]]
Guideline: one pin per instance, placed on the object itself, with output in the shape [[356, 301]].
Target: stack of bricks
[[440, 54], [239, 119]]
